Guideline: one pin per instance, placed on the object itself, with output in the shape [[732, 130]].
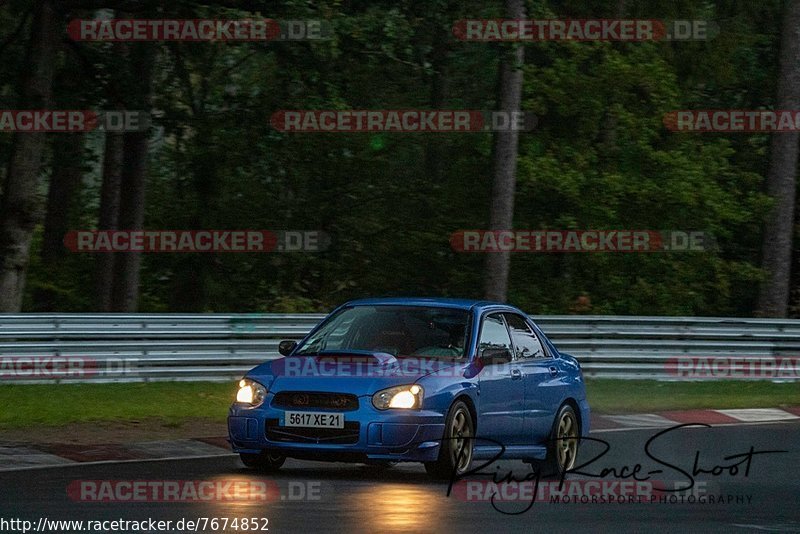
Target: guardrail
[[139, 347]]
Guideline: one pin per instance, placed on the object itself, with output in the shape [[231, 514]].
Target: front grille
[[334, 436], [343, 402]]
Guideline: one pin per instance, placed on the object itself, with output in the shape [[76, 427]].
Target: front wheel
[[455, 452], [265, 461]]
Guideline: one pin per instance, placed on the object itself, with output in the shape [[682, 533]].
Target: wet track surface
[[320, 497]]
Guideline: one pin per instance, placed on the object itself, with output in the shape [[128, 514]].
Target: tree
[[501, 215], [20, 207], [68, 163], [111, 182], [109, 216], [127, 266], [781, 178]]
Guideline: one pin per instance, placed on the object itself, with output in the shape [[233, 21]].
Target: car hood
[[358, 372]]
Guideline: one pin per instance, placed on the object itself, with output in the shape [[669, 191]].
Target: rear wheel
[[562, 449], [265, 461], [455, 453]]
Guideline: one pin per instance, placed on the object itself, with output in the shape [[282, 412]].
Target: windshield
[[402, 331]]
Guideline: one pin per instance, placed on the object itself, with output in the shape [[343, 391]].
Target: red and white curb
[[15, 457], [28, 456], [710, 417]]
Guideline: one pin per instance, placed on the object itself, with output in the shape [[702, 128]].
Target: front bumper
[[394, 435]]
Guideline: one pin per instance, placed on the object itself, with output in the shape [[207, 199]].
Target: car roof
[[463, 304]]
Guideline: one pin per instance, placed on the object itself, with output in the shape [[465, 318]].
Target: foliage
[[599, 158]]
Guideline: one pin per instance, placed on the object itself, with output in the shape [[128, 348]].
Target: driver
[[454, 348]]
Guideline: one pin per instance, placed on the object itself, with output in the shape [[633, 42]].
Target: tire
[[265, 461], [457, 444], [562, 448]]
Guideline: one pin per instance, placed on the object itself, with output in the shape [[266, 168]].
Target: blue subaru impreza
[[437, 381]]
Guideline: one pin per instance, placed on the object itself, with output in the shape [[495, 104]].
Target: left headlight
[[251, 393], [405, 397]]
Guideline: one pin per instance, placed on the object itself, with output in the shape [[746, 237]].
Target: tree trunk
[[109, 217], [131, 217], [67, 165], [781, 178], [20, 207], [501, 216], [191, 291], [127, 265], [64, 181], [434, 155]]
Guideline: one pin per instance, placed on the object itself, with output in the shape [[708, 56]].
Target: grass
[[173, 402], [636, 396], [177, 403]]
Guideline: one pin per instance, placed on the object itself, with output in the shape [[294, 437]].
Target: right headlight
[[251, 393], [403, 397]]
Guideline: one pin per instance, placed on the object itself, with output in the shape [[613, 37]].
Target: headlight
[[405, 397], [251, 392]]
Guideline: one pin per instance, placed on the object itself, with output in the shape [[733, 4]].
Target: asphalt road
[[320, 497]]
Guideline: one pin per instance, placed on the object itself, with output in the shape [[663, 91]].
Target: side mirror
[[286, 346], [495, 356]]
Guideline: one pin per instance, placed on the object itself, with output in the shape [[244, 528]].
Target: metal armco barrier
[[63, 348]]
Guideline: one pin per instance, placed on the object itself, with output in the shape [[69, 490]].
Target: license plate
[[314, 419]]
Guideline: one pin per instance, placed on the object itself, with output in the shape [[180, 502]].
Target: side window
[[494, 334], [525, 340]]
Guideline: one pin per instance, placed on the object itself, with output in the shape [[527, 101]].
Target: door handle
[[516, 374], [553, 371]]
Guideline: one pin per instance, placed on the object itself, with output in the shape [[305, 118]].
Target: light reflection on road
[[400, 507]]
